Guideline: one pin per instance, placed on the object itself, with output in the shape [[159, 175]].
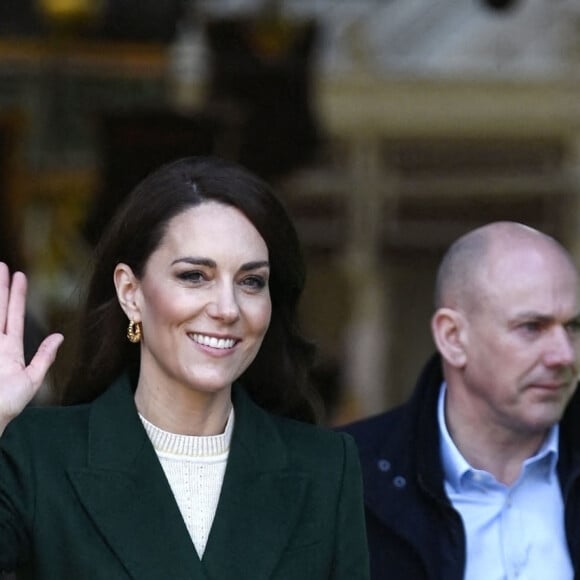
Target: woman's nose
[[224, 304]]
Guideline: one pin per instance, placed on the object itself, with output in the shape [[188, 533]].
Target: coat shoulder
[[313, 442], [49, 427]]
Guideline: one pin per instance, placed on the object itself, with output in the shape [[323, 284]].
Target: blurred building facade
[[389, 127]]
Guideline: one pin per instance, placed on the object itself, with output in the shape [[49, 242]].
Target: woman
[[180, 417]]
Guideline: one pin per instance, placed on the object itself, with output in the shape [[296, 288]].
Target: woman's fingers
[[12, 301], [4, 294], [18, 382], [16, 310], [43, 359], [19, 385]]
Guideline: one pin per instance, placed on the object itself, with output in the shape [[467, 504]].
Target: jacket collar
[[411, 446], [125, 492], [402, 469]]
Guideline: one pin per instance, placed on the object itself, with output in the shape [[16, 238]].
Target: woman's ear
[[127, 286], [450, 335]]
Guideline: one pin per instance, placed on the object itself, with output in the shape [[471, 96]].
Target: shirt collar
[[546, 457], [455, 465]]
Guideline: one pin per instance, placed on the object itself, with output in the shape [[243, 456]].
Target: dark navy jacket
[[413, 530]]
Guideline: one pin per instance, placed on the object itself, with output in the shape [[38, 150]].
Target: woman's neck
[[184, 410]]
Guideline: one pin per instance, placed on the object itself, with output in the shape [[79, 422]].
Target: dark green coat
[[83, 496]]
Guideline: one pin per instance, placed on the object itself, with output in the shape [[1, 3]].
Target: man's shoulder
[[400, 423], [378, 429]]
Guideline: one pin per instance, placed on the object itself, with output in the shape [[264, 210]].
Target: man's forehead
[[522, 293], [547, 300], [532, 264]]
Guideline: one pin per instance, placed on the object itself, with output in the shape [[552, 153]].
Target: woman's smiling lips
[[213, 341]]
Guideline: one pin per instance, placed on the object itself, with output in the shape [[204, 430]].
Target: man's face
[[522, 340]]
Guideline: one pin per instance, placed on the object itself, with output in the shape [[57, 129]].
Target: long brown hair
[[278, 378]]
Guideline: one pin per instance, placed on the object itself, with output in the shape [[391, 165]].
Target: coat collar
[[402, 469], [261, 498], [408, 440], [125, 492]]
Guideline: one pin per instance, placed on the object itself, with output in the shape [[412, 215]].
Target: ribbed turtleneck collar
[[190, 445]]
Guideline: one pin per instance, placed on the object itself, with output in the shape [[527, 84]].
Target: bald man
[[477, 476]]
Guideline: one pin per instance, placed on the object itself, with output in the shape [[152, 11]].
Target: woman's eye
[[254, 282], [191, 276]]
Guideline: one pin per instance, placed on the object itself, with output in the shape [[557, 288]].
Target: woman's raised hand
[[18, 382]]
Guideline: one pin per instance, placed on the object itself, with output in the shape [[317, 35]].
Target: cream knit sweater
[[195, 468]]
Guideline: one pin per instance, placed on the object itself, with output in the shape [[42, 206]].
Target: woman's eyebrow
[[196, 261], [255, 265], [212, 264]]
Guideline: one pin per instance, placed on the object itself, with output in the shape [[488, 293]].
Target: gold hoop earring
[[134, 332]]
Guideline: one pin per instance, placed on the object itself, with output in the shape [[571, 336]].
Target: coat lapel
[[125, 492], [260, 502]]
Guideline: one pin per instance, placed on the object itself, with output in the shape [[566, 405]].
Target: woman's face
[[203, 301]]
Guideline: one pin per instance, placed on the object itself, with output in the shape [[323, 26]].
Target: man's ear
[[127, 286], [450, 335]]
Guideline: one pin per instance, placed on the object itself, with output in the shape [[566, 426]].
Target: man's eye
[[531, 326], [573, 327]]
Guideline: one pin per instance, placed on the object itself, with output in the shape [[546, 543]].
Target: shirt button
[[399, 481], [384, 464]]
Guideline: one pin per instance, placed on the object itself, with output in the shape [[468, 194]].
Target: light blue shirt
[[512, 532]]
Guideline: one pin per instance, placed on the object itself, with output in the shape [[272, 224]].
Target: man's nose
[[562, 350]]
